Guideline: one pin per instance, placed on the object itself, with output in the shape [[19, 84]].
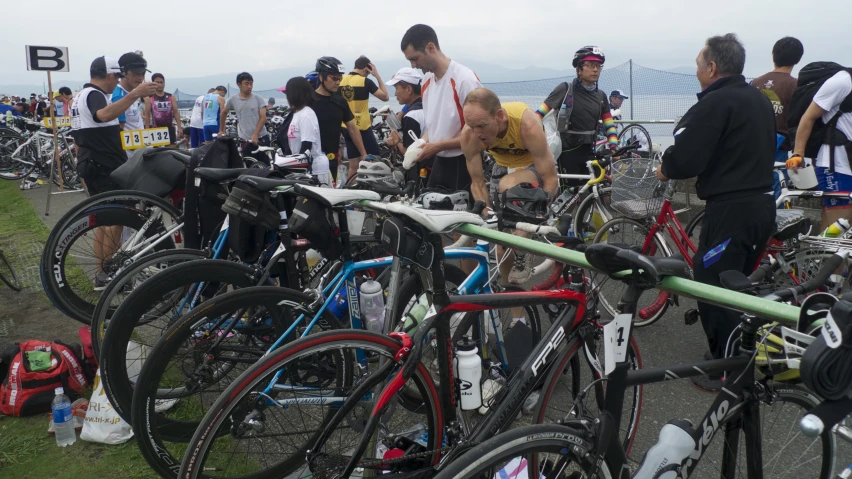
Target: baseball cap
[[133, 62], [408, 75], [104, 65], [618, 93]]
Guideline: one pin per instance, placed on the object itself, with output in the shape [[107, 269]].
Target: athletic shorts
[[96, 177], [196, 137], [209, 131], [498, 172], [450, 172], [833, 182]]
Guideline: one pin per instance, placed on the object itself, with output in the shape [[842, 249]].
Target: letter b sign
[[54, 59]]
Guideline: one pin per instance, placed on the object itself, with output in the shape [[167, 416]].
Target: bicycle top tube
[[692, 289]]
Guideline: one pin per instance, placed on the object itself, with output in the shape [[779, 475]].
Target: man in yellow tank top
[[356, 89], [513, 134]]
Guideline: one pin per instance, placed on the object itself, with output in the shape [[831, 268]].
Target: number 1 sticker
[[616, 337]]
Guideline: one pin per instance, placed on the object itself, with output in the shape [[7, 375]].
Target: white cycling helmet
[[277, 120], [437, 200], [378, 173]]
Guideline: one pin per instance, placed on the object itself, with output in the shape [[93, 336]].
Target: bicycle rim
[[223, 446]]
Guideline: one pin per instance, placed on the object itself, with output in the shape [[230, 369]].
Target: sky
[[190, 38]]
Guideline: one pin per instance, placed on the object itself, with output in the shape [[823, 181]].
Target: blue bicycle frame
[[477, 282]]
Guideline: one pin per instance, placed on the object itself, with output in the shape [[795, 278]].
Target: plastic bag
[[102, 423], [554, 140]]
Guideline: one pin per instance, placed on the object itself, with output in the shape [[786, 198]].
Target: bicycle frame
[[666, 219], [736, 397], [534, 369]]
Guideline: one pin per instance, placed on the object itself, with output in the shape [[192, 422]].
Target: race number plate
[[616, 339], [135, 139], [61, 121]]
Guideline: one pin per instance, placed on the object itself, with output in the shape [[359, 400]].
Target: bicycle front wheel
[[625, 231], [201, 354], [592, 213], [266, 421], [531, 452]]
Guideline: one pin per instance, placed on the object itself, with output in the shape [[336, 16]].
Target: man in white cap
[[407, 83], [616, 99], [94, 119]]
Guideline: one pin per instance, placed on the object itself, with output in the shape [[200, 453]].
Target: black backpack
[[811, 78]]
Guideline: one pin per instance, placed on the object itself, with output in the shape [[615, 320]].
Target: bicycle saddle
[[224, 175], [334, 197], [267, 184], [611, 259]]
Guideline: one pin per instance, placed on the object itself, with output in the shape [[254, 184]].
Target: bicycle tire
[[74, 264], [220, 414], [155, 428], [8, 275], [52, 273], [104, 309], [624, 140], [114, 346], [585, 223], [488, 459], [783, 396], [569, 362], [610, 230]]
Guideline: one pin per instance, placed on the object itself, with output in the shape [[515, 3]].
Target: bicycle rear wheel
[[7, 274], [200, 355], [257, 431], [635, 133], [592, 214]]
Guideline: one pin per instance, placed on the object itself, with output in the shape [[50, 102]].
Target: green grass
[[27, 451]]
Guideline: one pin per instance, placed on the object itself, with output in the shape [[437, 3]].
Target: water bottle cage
[[407, 343]]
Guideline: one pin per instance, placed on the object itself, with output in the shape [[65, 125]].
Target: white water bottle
[[63, 419], [469, 371], [664, 458], [373, 306]]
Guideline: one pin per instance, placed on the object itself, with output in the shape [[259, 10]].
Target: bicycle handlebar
[[828, 268], [601, 165]]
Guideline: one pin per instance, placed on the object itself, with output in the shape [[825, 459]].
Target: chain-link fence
[[652, 94]]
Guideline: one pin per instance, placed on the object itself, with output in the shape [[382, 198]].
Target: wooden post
[[56, 164]]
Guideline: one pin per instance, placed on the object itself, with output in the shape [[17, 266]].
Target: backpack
[[561, 120], [203, 204], [811, 78], [31, 370]]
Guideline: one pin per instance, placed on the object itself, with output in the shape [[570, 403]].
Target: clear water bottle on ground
[[373, 306], [63, 419]]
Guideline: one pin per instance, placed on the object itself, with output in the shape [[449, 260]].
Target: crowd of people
[[729, 140]]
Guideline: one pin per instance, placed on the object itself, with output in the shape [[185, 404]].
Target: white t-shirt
[[442, 103], [196, 121], [829, 97], [305, 127]]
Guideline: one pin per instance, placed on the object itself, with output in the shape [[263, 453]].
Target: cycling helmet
[[377, 173], [588, 53], [523, 202], [440, 199], [329, 65], [313, 79], [277, 120]]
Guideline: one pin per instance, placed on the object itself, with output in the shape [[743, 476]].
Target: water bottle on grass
[[63, 419]]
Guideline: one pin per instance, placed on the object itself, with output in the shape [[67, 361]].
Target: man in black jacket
[[727, 141]]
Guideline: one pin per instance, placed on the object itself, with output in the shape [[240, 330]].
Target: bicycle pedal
[[691, 317]]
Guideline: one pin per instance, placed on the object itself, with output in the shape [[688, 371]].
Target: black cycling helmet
[[523, 202], [588, 51], [329, 65]]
